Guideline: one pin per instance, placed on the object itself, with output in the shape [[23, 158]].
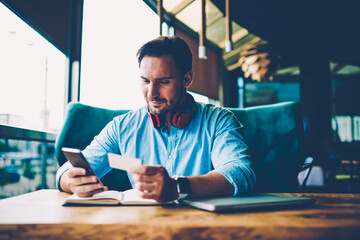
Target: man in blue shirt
[[188, 149]]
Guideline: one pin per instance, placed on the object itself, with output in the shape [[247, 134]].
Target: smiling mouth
[[156, 104]]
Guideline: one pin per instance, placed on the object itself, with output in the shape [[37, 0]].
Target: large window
[[32, 74], [112, 33], [32, 83]]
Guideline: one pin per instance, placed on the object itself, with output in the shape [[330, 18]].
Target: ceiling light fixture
[[160, 13], [202, 41], [228, 43]]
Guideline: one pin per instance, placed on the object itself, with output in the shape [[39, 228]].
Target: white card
[[121, 162]]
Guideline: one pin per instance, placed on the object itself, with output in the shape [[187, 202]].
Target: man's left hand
[[154, 182]]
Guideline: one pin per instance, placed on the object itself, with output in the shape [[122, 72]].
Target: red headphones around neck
[[179, 118]]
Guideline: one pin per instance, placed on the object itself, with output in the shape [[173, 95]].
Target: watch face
[[183, 185]]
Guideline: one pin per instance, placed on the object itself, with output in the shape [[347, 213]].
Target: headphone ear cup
[[183, 119], [154, 119], [174, 119]]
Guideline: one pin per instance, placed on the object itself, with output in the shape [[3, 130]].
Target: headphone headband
[[179, 119]]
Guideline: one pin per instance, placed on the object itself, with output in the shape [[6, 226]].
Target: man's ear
[[188, 78]]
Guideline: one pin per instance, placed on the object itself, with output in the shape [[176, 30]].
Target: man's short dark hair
[[168, 46]]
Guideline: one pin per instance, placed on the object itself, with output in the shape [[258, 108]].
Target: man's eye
[[145, 81], [164, 82]]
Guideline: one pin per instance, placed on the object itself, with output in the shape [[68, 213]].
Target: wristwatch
[[183, 186]]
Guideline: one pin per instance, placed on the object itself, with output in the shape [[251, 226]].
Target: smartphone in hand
[[77, 159]]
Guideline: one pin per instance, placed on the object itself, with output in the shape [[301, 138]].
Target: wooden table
[[39, 215]]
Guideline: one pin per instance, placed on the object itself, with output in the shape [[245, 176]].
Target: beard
[[166, 105]]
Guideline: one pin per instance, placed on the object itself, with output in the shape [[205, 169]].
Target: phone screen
[[77, 159]]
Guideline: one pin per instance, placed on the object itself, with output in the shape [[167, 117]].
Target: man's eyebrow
[[159, 79], [164, 78]]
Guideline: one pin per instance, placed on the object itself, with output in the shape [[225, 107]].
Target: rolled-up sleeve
[[229, 154]]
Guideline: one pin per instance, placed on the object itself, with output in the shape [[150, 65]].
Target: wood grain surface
[[40, 215]]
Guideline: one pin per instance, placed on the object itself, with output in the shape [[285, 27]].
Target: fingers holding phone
[[81, 179], [75, 180]]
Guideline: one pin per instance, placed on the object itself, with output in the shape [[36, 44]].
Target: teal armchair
[[274, 134]]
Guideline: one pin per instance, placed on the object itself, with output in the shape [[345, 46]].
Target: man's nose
[[152, 91]]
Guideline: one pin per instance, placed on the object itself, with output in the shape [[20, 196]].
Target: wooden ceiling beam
[[181, 6], [235, 37]]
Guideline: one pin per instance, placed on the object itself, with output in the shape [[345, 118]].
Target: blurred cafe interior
[[246, 54]]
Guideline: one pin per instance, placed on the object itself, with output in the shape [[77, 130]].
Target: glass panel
[[342, 125], [21, 167], [356, 128], [346, 99], [112, 34], [271, 92], [32, 75]]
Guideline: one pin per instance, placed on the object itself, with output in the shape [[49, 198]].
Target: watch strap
[[183, 186]]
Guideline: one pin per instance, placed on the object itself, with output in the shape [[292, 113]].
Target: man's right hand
[[75, 181]]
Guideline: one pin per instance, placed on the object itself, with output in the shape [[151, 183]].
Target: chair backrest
[[274, 134], [82, 124]]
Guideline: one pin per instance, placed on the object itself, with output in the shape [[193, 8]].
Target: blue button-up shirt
[[210, 142]]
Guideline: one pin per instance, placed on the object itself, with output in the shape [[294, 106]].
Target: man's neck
[[182, 104]]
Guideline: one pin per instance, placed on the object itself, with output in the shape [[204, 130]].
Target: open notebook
[[256, 201], [110, 198]]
